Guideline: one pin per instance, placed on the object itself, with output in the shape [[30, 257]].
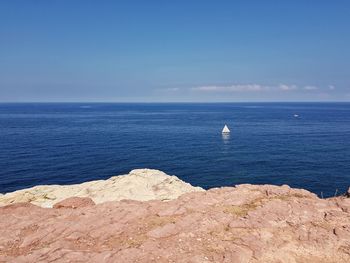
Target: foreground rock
[[247, 223], [140, 184], [75, 202]]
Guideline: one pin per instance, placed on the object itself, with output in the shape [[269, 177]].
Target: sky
[[174, 51]]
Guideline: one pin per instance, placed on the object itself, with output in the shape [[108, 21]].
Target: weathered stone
[[74, 202], [139, 184], [347, 194], [247, 223]]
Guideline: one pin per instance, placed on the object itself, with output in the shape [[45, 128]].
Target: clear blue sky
[[195, 50]]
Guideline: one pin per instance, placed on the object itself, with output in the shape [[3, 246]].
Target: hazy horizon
[[168, 102]]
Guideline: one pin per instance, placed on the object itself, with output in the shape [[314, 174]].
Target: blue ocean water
[[63, 143]]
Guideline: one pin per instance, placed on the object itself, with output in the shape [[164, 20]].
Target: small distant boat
[[225, 129], [296, 115]]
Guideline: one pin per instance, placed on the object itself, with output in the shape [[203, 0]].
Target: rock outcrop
[[139, 184], [246, 223], [74, 202]]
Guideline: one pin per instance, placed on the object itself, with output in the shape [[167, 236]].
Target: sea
[[68, 143]]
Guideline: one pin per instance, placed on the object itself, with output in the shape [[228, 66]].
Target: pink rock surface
[[247, 223], [74, 202]]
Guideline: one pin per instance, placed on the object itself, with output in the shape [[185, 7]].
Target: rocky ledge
[[246, 223], [139, 184]]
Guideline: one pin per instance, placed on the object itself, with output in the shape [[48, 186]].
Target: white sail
[[225, 129]]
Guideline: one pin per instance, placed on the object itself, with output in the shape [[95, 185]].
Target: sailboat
[[225, 129]]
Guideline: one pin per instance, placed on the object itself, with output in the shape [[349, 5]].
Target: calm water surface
[[72, 143]]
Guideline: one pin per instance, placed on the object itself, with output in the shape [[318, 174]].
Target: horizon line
[[174, 102]]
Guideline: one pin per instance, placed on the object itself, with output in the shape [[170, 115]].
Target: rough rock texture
[[140, 184], [347, 194], [74, 202], [247, 223]]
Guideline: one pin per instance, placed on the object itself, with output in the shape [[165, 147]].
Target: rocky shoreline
[[246, 223], [139, 184]]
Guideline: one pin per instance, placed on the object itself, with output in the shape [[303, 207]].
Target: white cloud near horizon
[[250, 88], [232, 88], [285, 87], [173, 89], [168, 90], [247, 88]]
